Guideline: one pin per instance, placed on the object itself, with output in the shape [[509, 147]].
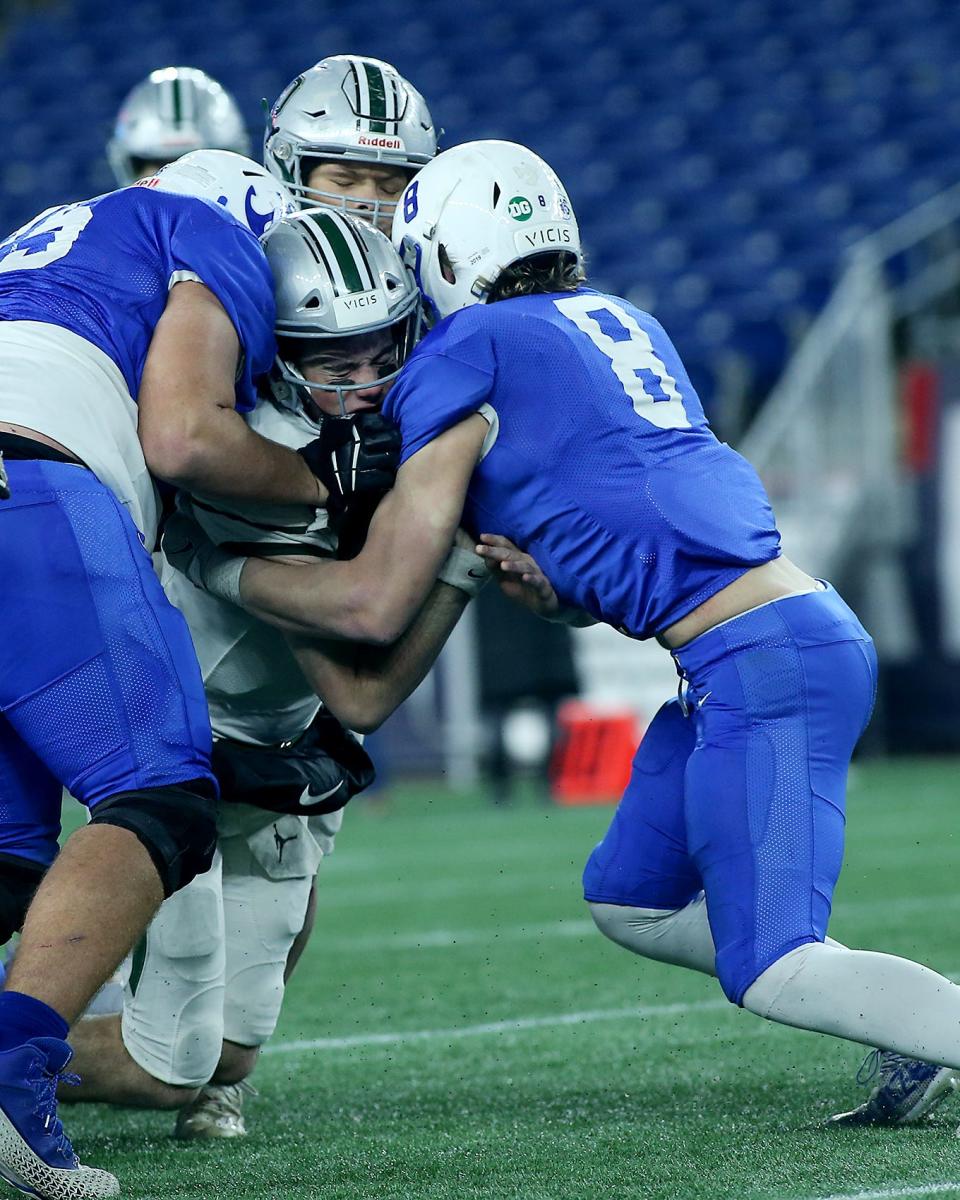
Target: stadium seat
[[721, 184]]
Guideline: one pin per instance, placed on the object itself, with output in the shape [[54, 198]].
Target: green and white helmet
[[350, 109], [335, 277], [171, 112]]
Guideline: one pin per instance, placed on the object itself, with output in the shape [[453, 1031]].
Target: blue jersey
[[603, 466], [103, 269]]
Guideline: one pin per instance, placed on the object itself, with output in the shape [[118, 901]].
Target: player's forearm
[[363, 685], [347, 600], [373, 597], [220, 455]]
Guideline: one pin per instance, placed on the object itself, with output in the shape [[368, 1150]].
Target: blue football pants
[[100, 689], [739, 790]]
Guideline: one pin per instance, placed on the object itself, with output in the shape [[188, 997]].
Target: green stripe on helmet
[[177, 102], [378, 98], [342, 252]]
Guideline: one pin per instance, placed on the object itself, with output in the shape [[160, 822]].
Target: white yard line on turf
[[433, 939], [918, 1189], [516, 1025]]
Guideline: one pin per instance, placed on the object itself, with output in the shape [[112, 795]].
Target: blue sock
[[22, 1018]]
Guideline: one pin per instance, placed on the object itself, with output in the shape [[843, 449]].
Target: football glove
[[316, 773], [354, 456]]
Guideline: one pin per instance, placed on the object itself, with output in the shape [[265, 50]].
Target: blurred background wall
[[735, 168]]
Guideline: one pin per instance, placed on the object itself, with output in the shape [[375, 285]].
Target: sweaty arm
[[376, 596], [191, 433]]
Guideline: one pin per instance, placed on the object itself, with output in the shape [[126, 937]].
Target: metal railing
[[826, 440]]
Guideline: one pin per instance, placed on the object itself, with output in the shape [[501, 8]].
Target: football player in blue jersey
[[563, 419], [132, 330]]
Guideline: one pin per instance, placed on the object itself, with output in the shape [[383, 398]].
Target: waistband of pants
[[808, 619], [15, 447]]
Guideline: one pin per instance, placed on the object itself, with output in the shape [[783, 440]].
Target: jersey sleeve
[[213, 248], [439, 387]]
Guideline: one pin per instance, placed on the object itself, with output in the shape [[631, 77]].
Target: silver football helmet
[[350, 109], [335, 277], [171, 112]]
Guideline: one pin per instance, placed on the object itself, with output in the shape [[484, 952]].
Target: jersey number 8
[[645, 378]]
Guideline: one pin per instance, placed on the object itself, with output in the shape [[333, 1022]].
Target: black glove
[[354, 456], [318, 773]]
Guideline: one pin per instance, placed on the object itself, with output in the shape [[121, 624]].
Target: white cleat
[[216, 1113]]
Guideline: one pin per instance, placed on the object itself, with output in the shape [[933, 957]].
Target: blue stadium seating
[[721, 158]]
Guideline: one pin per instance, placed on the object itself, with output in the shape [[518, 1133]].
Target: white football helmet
[[239, 184], [348, 108], [335, 277], [480, 207], [171, 112]]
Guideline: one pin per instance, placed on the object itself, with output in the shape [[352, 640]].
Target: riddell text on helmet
[[381, 143]]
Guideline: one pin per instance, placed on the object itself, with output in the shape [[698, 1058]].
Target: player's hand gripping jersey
[[599, 461], [86, 285]]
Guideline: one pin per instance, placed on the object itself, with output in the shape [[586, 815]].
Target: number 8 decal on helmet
[[410, 202]]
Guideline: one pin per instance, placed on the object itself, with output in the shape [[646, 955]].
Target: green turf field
[[457, 1030]]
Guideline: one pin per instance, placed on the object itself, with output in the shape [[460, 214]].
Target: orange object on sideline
[[594, 751]]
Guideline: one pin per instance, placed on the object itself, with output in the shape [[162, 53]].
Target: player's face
[[361, 185], [364, 359]]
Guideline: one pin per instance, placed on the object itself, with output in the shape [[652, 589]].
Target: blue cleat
[[906, 1090], [35, 1154]]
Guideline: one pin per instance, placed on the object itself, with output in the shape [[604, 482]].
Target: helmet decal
[[258, 222]]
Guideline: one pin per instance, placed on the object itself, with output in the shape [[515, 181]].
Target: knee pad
[[173, 1005], [19, 879], [262, 919], [177, 826]]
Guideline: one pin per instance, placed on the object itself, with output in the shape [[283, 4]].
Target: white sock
[[877, 999]]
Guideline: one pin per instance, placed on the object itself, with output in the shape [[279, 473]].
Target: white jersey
[[57, 383], [255, 689]]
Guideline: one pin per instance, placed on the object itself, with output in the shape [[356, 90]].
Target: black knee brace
[[177, 826], [19, 879]]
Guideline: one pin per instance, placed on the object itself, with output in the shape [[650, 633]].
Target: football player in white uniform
[[349, 133], [207, 983], [168, 114]]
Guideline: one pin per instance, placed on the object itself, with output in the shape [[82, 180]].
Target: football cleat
[[35, 1154], [906, 1090], [216, 1113]]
